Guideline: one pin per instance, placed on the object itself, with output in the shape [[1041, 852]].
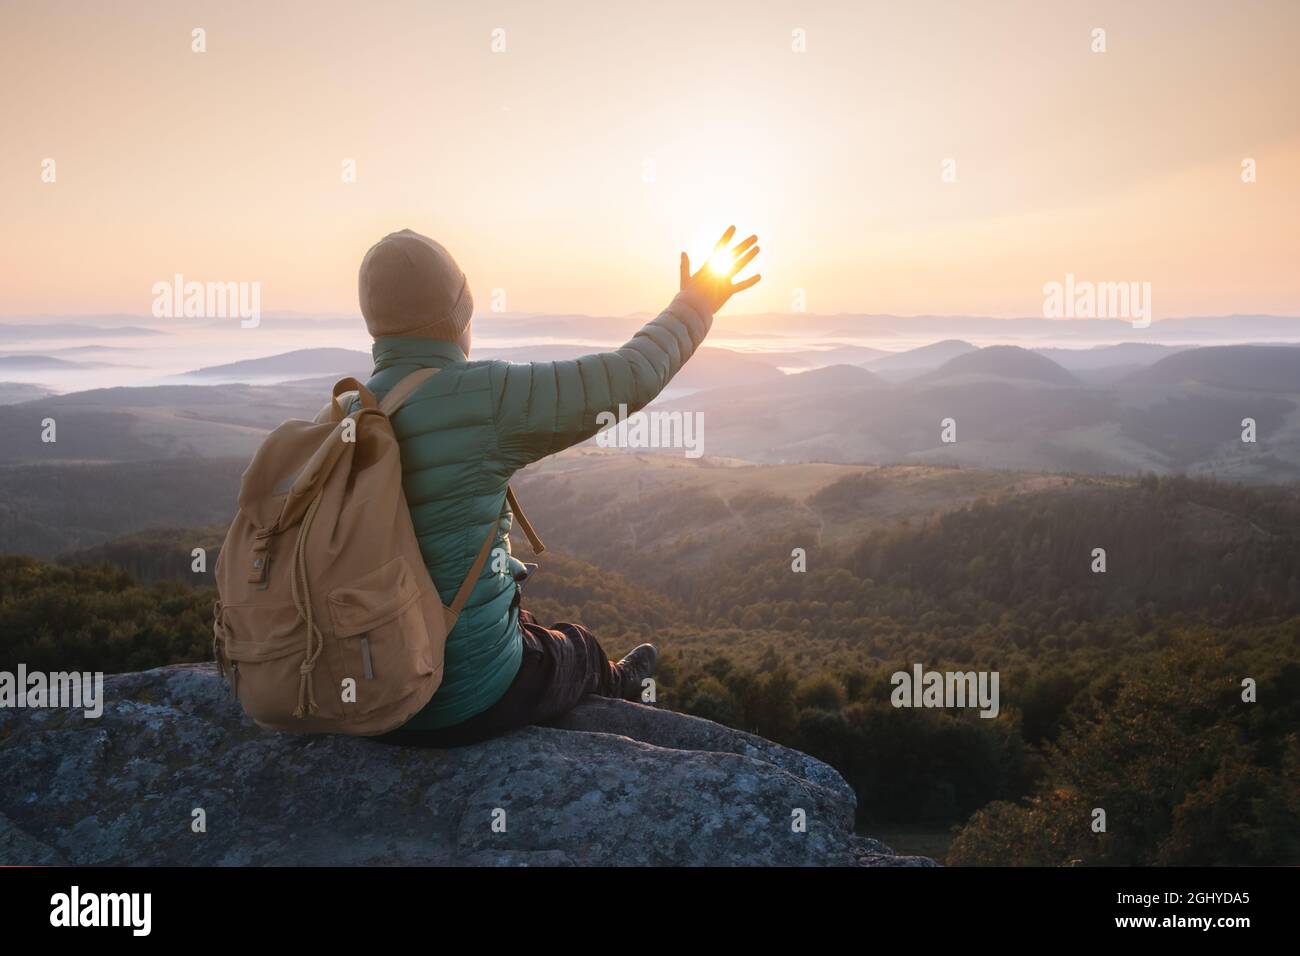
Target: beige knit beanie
[[410, 285]]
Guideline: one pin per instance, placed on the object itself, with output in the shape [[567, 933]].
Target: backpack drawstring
[[218, 628], [315, 641]]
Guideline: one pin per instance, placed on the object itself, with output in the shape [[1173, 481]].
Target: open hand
[[713, 282]]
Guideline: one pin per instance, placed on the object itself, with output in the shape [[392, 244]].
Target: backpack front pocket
[[264, 647], [381, 640]]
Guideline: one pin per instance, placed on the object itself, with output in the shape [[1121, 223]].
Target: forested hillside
[[1120, 689]]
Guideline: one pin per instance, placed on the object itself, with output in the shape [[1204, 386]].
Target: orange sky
[[530, 163]]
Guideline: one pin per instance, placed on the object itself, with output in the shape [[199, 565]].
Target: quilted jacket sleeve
[[544, 407]]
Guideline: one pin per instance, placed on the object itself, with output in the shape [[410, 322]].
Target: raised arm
[[544, 407]]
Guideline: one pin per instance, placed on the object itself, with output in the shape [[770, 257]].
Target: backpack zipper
[[365, 657]]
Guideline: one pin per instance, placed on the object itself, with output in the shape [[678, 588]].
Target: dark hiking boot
[[633, 669]]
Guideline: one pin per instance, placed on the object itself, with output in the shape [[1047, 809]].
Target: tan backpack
[[327, 620]]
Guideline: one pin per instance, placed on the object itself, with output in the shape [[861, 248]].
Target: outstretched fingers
[[714, 279], [743, 261]]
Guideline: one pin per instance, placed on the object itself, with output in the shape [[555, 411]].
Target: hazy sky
[[531, 164]]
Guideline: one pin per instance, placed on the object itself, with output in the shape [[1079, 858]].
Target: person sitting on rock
[[465, 431]]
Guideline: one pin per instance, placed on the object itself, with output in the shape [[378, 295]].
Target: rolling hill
[[822, 381], [1274, 368], [139, 424], [1001, 363], [667, 520], [1017, 410], [901, 365], [649, 516], [1123, 355], [301, 362], [13, 392], [666, 525]]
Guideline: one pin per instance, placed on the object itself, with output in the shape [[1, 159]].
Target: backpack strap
[[480, 559], [394, 400], [525, 525], [341, 397], [328, 453], [391, 403], [350, 384], [400, 392], [475, 569]]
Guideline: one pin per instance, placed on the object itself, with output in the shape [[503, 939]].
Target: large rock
[[611, 783]]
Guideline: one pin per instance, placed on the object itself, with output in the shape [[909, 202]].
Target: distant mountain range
[[1025, 331], [709, 367], [37, 332], [849, 326], [33, 349], [1162, 410], [892, 366], [41, 363], [1014, 408]]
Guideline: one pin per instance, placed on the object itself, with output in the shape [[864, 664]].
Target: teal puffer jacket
[[465, 432]]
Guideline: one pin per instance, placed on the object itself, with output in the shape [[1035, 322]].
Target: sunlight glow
[[722, 262]]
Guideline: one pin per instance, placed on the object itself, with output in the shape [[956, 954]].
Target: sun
[[722, 262]]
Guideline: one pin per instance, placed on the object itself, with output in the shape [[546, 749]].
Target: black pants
[[561, 665]]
